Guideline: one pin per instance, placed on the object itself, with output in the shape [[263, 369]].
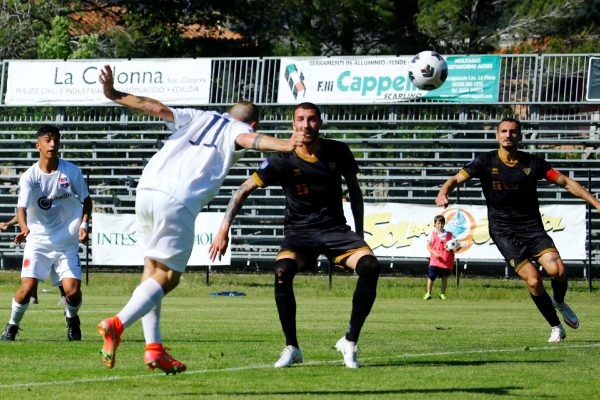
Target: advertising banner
[[383, 79], [114, 240], [75, 83], [400, 230]]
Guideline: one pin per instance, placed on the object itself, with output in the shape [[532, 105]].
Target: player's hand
[[107, 81], [83, 235], [219, 245], [296, 140], [3, 226], [442, 200], [21, 236]]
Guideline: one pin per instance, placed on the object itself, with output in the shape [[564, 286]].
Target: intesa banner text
[[114, 240], [383, 79], [75, 82], [400, 230]]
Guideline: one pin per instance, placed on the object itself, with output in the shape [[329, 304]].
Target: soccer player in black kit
[[509, 182], [314, 224]]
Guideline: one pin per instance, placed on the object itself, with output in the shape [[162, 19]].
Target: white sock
[[151, 325], [72, 311], [143, 299], [18, 310]]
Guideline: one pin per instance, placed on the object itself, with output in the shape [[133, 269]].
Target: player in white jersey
[[53, 211], [179, 180]]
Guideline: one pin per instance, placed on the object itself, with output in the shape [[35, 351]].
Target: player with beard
[[314, 224], [509, 181]]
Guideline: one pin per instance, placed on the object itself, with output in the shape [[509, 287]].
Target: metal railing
[[405, 150]]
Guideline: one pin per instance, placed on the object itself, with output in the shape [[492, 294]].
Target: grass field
[[486, 341]]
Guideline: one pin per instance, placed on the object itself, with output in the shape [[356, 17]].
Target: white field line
[[151, 375]]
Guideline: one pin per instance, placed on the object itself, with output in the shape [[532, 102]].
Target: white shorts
[[39, 262], [165, 229]]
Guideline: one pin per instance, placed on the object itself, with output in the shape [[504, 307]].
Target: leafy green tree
[[333, 27], [56, 43], [481, 26]]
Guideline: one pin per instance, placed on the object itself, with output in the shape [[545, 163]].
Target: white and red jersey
[[437, 241], [196, 158], [54, 204]]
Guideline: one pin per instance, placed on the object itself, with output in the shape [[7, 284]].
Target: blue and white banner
[[75, 82], [400, 230], [383, 79], [114, 240]]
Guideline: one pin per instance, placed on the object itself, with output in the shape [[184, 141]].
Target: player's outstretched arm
[[575, 188], [260, 142], [221, 241], [144, 104], [448, 186]]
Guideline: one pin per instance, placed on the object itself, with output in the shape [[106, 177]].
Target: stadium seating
[[405, 150]]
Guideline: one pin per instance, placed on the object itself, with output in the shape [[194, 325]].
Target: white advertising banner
[[114, 240], [75, 82], [400, 230], [383, 79]]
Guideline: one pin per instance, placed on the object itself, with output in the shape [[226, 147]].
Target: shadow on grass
[[457, 363], [483, 391]]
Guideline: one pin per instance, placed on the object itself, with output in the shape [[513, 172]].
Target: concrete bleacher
[[405, 152]]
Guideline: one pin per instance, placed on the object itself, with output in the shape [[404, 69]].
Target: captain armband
[[552, 175]]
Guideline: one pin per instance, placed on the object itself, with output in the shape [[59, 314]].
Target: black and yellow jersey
[[312, 186], [510, 189]]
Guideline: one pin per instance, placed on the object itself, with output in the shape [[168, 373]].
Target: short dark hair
[[513, 120], [439, 218], [308, 106], [48, 130]]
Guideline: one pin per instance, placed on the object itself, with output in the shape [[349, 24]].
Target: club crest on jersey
[[63, 182], [527, 171], [264, 164], [332, 165], [495, 171]]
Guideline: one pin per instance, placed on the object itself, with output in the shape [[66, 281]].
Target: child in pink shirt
[[441, 261]]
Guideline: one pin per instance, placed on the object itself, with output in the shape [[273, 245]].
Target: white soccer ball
[[452, 245], [428, 70]]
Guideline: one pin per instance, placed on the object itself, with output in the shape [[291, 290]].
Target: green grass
[[486, 341]]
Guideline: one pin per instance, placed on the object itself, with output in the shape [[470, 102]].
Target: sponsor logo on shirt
[[45, 203]]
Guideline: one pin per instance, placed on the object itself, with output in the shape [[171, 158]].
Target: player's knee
[[368, 267], [535, 286], [285, 270]]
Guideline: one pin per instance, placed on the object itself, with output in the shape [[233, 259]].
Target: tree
[[334, 27], [481, 26]]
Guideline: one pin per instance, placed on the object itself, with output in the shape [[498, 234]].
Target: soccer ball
[[452, 245], [428, 70]]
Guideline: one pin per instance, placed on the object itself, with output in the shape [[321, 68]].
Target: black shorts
[[336, 243], [518, 248], [433, 272]]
